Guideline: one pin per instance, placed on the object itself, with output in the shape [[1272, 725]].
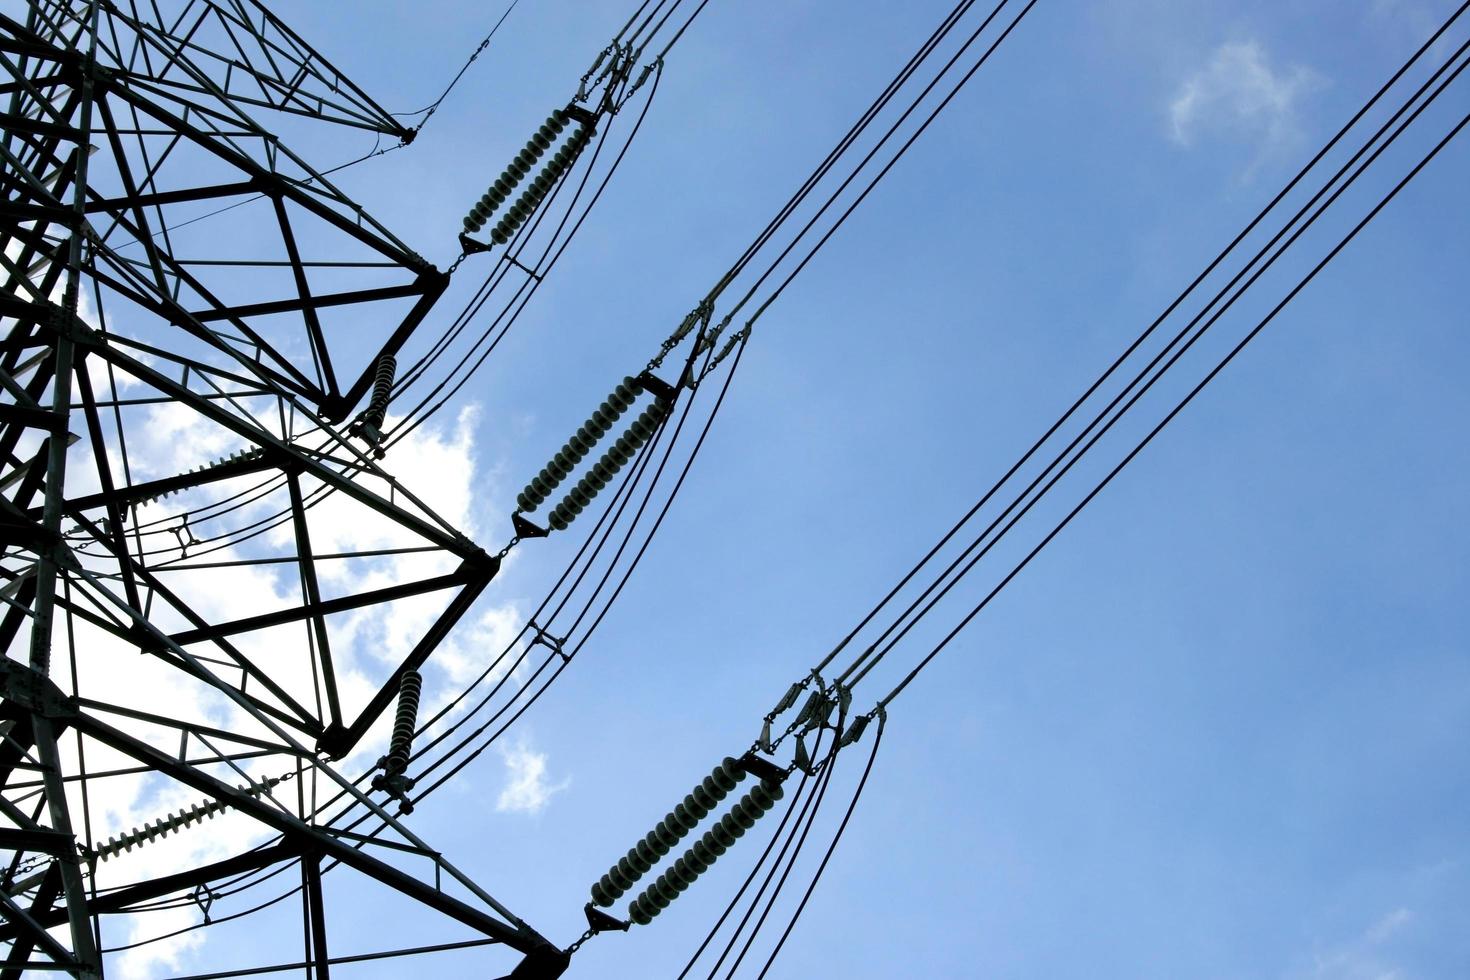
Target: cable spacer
[[556, 644]]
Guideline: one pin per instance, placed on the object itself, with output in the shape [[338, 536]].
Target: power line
[[864, 659], [429, 110], [1214, 372]]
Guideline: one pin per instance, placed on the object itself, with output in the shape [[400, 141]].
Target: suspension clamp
[[395, 784], [802, 759]]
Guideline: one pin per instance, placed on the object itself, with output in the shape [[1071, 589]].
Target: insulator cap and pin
[[639, 431], [581, 443], [515, 172], [369, 423], [600, 473], [524, 205], [668, 832], [175, 822], [239, 456], [759, 800], [400, 744], [756, 803]]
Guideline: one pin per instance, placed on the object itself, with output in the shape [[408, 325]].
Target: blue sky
[[1218, 729]]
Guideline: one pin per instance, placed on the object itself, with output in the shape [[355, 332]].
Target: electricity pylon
[[259, 332]]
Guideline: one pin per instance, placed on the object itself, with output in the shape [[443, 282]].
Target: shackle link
[[596, 64], [738, 337], [793, 692], [588, 82], [700, 314], [713, 334], [657, 64]]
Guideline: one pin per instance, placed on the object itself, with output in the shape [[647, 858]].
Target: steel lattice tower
[[121, 127]]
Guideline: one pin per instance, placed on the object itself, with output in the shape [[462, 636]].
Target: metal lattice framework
[[214, 592], [125, 315]]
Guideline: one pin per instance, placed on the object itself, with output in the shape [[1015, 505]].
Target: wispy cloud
[[526, 788], [1363, 957], [1240, 95], [1385, 927], [1411, 19]]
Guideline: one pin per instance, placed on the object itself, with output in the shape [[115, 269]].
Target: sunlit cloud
[[526, 789], [440, 458], [1240, 95]]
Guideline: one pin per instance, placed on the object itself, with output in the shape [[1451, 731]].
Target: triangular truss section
[[236, 50], [280, 823], [159, 175]]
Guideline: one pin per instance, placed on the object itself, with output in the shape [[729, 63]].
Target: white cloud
[[526, 789], [438, 458], [1362, 957], [1240, 95]]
